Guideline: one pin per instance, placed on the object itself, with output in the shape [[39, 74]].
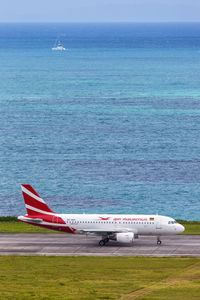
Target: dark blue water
[[111, 125]]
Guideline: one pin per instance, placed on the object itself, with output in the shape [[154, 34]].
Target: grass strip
[[35, 277]]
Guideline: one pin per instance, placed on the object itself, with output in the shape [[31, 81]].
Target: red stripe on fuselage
[[48, 218], [53, 219], [53, 227], [35, 203]]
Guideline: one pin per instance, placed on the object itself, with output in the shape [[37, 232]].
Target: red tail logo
[[35, 205]]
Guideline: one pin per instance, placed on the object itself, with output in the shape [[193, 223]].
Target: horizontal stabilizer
[[31, 220]]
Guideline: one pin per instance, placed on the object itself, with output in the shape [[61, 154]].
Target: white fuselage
[[138, 224], [93, 223]]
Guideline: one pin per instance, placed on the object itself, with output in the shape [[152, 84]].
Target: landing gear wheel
[[159, 242], [106, 240], [101, 243]]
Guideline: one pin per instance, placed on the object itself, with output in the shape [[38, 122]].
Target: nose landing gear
[[159, 242]]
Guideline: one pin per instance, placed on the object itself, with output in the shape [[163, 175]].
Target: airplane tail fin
[[35, 205]]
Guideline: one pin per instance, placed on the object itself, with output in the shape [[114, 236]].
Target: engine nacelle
[[125, 237]]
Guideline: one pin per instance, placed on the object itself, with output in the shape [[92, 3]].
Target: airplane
[[121, 228]]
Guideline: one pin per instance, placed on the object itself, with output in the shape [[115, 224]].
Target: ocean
[[112, 125]]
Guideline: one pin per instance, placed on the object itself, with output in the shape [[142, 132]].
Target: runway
[[66, 244]]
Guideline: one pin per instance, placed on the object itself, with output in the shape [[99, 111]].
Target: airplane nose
[[180, 228]]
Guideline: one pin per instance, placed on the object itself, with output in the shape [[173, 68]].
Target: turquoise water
[[111, 125]]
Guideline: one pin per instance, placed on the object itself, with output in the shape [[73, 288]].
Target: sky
[[99, 10]]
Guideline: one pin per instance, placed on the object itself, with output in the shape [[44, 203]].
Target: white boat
[[59, 47]]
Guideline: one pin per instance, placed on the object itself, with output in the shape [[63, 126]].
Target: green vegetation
[[191, 227], [35, 277], [10, 224], [19, 227], [8, 219]]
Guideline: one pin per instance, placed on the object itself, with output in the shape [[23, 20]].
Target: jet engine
[[125, 237]]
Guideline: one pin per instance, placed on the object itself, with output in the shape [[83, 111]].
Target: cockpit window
[[172, 222]]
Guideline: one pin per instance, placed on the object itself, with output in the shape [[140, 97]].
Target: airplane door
[[158, 225]]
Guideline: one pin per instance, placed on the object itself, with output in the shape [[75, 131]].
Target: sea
[[112, 125]]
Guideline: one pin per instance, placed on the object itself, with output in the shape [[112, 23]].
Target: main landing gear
[[159, 242], [103, 242]]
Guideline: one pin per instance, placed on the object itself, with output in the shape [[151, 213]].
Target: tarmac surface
[[68, 244]]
